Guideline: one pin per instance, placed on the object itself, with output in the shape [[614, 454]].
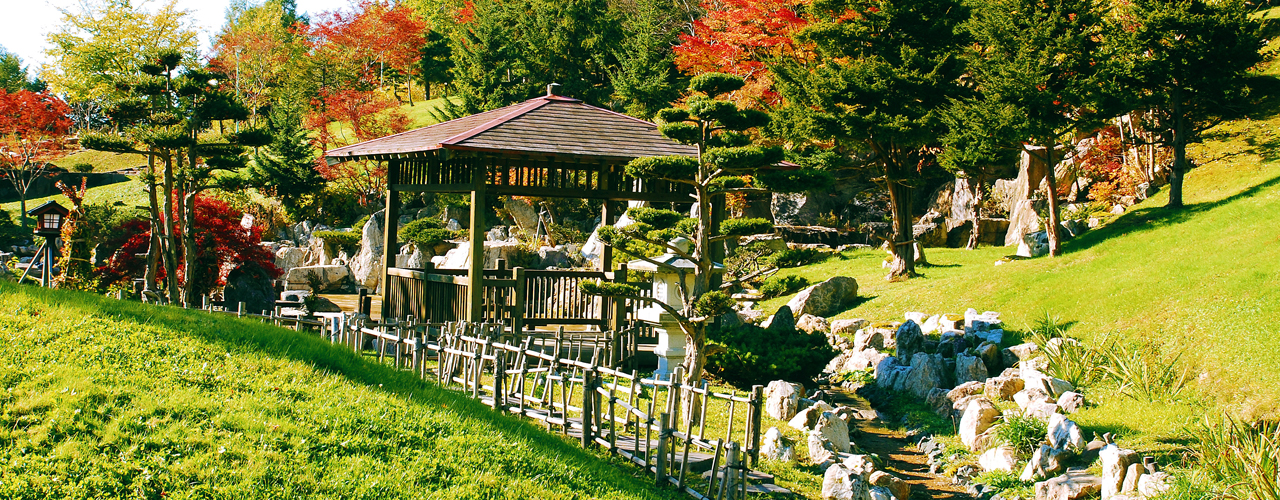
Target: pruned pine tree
[[1045, 59], [726, 158], [167, 117], [880, 73], [1186, 61]]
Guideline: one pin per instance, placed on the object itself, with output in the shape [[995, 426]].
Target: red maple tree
[[222, 242], [33, 127], [737, 36], [377, 35]]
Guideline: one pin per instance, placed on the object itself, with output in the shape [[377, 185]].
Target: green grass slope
[[110, 399], [1203, 281]]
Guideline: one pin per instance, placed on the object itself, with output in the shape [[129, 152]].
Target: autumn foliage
[[1105, 165], [32, 126], [221, 242], [377, 36], [737, 36]]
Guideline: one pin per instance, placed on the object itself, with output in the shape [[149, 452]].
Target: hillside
[[106, 398], [1200, 282]]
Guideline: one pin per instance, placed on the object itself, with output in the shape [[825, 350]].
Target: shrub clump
[[783, 285], [348, 241], [426, 233], [1023, 434], [796, 257], [748, 355]]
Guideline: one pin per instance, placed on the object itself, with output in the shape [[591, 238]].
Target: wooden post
[[618, 318], [608, 216], [673, 395], [390, 244], [717, 248], [360, 302], [588, 406], [499, 373], [475, 272], [753, 421], [518, 302], [660, 476]]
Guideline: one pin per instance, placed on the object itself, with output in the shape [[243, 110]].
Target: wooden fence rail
[[575, 384]]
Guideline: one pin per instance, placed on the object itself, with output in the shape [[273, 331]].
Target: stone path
[[899, 453]]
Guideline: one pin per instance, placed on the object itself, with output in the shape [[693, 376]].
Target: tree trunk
[[170, 254], [1055, 244], [695, 357], [904, 254], [189, 248], [1179, 169], [153, 252], [979, 192]]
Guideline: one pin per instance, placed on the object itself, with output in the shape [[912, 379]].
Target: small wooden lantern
[[49, 218]]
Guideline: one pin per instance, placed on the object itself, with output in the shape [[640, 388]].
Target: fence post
[[240, 310], [673, 395], [499, 374], [588, 406], [660, 476], [518, 302], [619, 313], [753, 424]]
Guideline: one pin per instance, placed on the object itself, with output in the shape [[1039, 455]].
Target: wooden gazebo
[[550, 146]]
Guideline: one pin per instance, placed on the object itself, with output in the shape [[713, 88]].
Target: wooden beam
[[390, 245], [432, 188], [608, 216], [475, 272]]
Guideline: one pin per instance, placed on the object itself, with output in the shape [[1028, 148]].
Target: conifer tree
[[882, 71], [1044, 59], [1186, 61], [286, 168]]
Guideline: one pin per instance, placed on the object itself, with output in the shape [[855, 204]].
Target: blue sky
[[25, 23]]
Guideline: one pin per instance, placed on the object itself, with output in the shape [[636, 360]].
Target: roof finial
[[553, 89]]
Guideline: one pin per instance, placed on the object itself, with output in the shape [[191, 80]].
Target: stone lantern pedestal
[[666, 288]]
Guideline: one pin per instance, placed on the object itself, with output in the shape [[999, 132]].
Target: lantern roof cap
[[48, 206], [669, 259]]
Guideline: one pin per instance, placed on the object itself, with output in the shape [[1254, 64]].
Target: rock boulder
[[825, 298]]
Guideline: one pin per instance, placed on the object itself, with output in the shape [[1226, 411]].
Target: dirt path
[[899, 453]]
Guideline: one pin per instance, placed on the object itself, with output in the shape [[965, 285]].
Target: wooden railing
[[517, 298], [660, 425]]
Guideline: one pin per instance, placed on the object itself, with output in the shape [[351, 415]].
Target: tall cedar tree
[[725, 155], [646, 79], [286, 168], [1187, 61], [1044, 58], [881, 73], [505, 52], [32, 129], [435, 61]]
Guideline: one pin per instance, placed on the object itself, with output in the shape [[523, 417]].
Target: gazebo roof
[[549, 125]]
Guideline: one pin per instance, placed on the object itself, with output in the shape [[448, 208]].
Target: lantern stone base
[[671, 340]]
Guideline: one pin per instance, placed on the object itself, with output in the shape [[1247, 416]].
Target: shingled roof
[[548, 125]]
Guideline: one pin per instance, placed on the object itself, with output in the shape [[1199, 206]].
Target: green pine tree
[[287, 167], [883, 71], [1187, 62]]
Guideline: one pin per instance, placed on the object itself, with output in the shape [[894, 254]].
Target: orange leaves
[[736, 36], [31, 127], [376, 34]]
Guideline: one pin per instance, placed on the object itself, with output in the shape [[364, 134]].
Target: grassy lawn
[[130, 193], [102, 161], [1200, 282], [106, 398]]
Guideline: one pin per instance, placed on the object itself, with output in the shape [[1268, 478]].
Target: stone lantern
[[666, 288], [49, 219]]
